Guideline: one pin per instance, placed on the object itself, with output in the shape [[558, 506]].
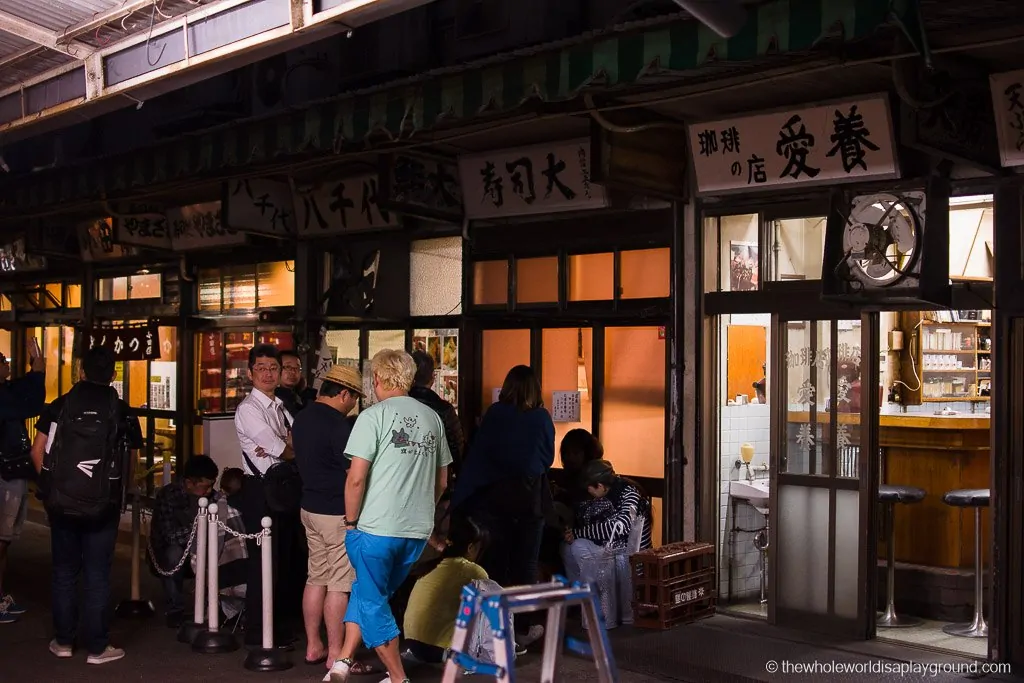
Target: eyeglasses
[[266, 368], [291, 368]]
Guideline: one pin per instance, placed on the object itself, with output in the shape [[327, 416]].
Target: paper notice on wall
[[324, 360], [495, 394], [368, 398], [565, 406]]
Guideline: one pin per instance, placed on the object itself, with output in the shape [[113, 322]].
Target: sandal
[[364, 669]]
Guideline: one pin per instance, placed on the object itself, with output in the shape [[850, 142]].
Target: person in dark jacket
[[422, 392], [19, 400], [504, 485], [293, 390]]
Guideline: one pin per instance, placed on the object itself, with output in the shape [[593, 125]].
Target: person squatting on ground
[[399, 470], [84, 448], [20, 399], [174, 512], [320, 434]]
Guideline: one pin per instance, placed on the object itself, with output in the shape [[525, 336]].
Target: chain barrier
[[258, 536], [185, 555]]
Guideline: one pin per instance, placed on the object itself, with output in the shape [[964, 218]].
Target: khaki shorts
[[13, 509], [328, 558]]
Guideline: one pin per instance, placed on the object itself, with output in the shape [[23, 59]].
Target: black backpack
[[83, 470]]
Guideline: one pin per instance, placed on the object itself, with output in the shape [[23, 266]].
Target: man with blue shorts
[[399, 470]]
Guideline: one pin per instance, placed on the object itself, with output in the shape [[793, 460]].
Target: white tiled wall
[[739, 425]]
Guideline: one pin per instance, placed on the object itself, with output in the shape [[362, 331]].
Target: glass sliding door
[[818, 535]]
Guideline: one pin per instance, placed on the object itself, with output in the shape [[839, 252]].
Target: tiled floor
[[929, 634], [926, 634]]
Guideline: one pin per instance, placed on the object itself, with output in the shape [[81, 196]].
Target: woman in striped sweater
[[600, 536]]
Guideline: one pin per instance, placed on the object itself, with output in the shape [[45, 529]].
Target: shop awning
[[624, 56]]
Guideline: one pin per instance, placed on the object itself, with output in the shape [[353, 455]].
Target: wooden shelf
[[917, 330]]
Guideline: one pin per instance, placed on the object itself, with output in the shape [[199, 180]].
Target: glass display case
[[222, 377]]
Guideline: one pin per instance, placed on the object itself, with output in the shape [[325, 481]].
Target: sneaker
[[6, 617], [111, 654], [60, 651], [339, 671], [535, 633], [520, 650], [12, 606]]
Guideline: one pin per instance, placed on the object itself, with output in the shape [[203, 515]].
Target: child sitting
[[597, 547], [429, 623], [231, 481]]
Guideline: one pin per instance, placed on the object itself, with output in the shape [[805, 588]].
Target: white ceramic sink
[[754, 492], [751, 490]]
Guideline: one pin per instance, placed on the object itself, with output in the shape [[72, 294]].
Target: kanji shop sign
[[528, 180], [127, 343], [1008, 101], [851, 140], [13, 258], [422, 186], [340, 207], [148, 230], [200, 227], [96, 240], [259, 206]]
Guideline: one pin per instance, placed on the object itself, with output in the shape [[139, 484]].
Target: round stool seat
[[967, 498], [900, 494]]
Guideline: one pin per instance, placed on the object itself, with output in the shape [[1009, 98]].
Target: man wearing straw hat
[[320, 434]]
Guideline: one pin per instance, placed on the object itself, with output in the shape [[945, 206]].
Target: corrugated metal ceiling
[[66, 19]]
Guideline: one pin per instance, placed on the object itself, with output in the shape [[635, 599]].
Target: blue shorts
[[382, 564]]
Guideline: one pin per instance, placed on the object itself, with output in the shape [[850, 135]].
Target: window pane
[[737, 253], [68, 376], [537, 280], [435, 277], [633, 412], [568, 365], [808, 378], [240, 287], [970, 238], [211, 373], [51, 350], [284, 341], [276, 284], [384, 339], [646, 273], [163, 380], [798, 247], [344, 346], [165, 439], [502, 350], [5, 344], [144, 286], [138, 384], [591, 277], [55, 290], [74, 297], [209, 290], [112, 289], [490, 283], [237, 345], [443, 346]]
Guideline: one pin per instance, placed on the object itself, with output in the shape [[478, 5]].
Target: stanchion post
[[190, 629], [267, 658], [213, 641], [135, 607]]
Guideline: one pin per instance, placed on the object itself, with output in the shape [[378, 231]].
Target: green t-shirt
[[405, 444]]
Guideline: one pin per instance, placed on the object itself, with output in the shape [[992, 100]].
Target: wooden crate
[[673, 585]]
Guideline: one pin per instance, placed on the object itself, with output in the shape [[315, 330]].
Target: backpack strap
[[255, 472]]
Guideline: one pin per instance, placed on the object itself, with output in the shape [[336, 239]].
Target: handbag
[[282, 485], [17, 463]]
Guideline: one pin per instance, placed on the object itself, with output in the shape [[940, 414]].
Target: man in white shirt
[[261, 421], [263, 428]]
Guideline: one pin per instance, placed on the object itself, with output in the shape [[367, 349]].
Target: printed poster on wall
[[521, 181], [1008, 102], [565, 406], [442, 345], [847, 141]]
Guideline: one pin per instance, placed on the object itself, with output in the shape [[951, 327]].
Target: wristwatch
[[351, 523]]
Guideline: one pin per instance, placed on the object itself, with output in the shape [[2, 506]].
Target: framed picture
[[743, 267]]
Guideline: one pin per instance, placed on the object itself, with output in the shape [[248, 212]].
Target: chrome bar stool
[[977, 499], [890, 496]]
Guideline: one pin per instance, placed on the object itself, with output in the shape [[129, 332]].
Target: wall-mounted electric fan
[[882, 239]]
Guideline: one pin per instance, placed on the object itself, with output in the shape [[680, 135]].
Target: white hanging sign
[[529, 180], [847, 141], [199, 226], [565, 406], [1008, 104], [324, 361], [340, 207], [259, 206]]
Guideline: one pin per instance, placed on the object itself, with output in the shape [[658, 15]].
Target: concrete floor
[[717, 649]]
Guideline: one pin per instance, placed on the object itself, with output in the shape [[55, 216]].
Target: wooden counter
[[938, 454]]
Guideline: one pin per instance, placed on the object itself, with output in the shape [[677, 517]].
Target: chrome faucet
[[750, 474]]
